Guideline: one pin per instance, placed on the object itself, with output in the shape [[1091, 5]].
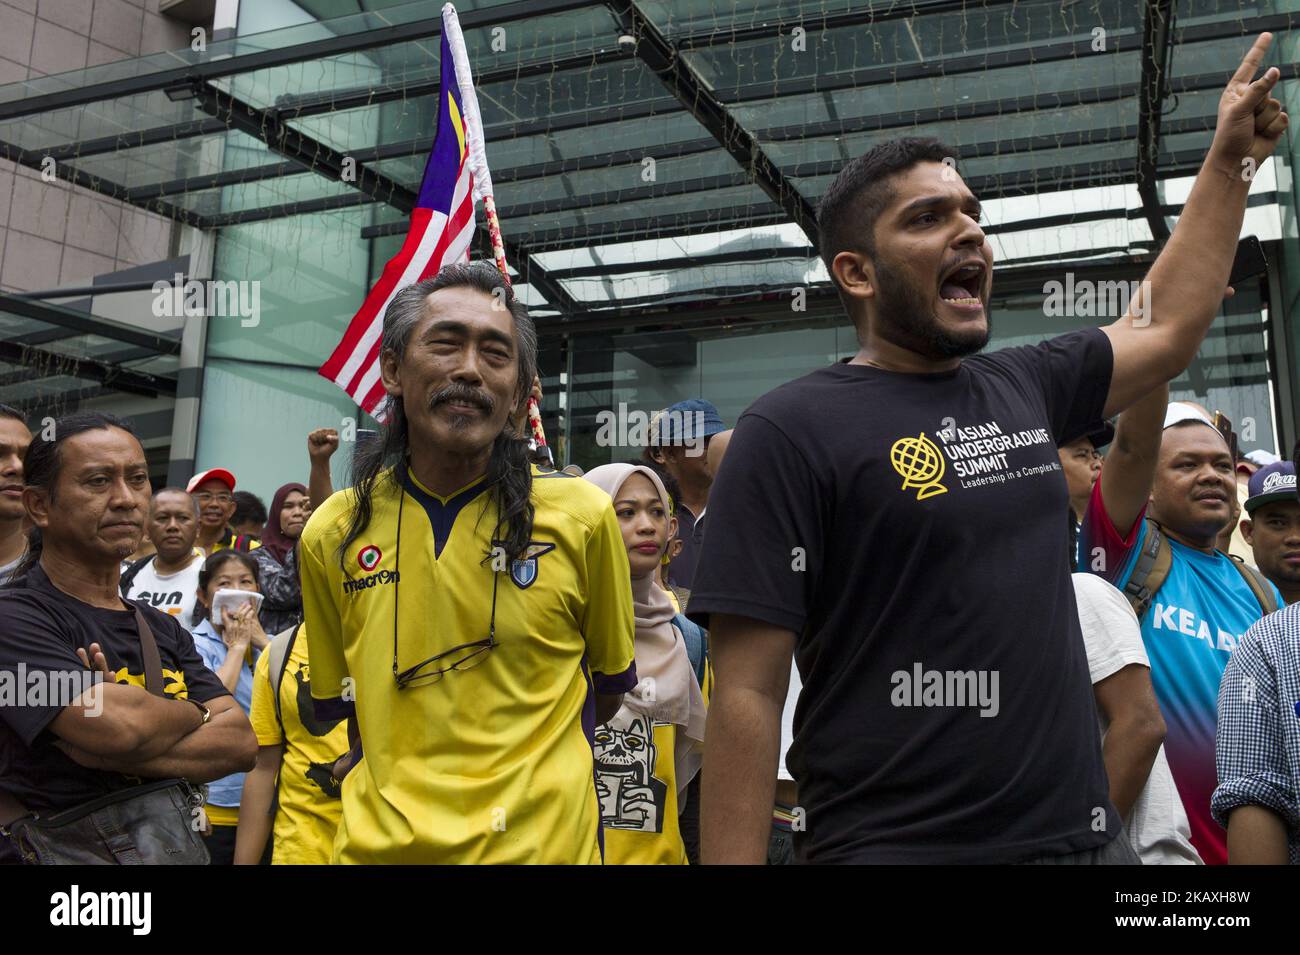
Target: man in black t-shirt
[[88, 492], [896, 522]]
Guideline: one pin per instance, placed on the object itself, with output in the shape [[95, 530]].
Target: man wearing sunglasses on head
[[470, 613]]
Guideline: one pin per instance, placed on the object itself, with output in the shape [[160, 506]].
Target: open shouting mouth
[[962, 286]]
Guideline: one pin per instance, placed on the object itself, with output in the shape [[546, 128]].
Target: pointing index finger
[[1254, 59]]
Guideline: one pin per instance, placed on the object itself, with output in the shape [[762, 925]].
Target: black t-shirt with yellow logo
[[910, 528], [41, 628]]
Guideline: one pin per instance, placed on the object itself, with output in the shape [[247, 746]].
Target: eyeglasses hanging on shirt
[[464, 656]]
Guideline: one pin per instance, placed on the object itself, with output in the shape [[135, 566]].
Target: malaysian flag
[[442, 225]]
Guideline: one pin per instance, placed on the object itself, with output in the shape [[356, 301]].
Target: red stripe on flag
[[463, 213], [455, 225], [371, 399], [459, 216], [378, 295]]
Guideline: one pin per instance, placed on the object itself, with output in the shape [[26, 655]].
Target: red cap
[[211, 474]]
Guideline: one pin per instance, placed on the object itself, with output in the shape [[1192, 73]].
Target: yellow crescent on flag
[[457, 122]]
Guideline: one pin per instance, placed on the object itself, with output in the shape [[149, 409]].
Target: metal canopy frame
[[82, 323], [1157, 45], [672, 56], [220, 64], [107, 370], [702, 102]]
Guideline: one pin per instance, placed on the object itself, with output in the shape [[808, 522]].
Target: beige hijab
[[667, 690]]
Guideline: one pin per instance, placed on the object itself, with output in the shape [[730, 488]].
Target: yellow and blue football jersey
[[491, 764]]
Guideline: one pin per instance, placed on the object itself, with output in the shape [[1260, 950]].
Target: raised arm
[[1130, 467], [751, 663], [321, 445], [1169, 316]]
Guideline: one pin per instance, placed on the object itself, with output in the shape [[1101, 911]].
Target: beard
[[906, 319]]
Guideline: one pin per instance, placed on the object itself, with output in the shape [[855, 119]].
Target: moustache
[[465, 394]]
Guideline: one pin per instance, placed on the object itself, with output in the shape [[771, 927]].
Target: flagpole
[[483, 177], [494, 232]]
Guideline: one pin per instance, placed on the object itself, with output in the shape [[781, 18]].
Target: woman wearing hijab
[[277, 558], [649, 752]]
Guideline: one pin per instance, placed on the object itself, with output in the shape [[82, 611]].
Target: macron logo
[[103, 908]]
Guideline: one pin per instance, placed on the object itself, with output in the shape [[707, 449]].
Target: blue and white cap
[[1273, 483]]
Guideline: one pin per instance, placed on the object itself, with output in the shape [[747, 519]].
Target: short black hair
[[9, 411], [249, 509], [847, 213], [44, 462]]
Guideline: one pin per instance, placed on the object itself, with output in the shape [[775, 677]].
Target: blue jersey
[[1194, 622]]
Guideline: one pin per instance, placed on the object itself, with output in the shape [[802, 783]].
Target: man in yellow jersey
[[470, 614]]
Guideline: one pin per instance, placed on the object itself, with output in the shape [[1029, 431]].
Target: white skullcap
[[1179, 411]]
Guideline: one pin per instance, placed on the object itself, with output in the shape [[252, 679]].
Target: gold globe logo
[[920, 463]]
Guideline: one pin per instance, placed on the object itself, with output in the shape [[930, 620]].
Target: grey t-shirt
[[1157, 826]]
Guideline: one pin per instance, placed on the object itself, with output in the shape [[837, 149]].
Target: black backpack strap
[[129, 575], [1150, 570], [280, 649], [1257, 583]]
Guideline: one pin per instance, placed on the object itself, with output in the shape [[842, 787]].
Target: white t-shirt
[[1157, 825], [787, 721], [171, 593]]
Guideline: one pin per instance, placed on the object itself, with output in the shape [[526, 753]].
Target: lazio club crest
[[524, 570]]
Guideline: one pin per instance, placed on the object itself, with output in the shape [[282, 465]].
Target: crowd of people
[[905, 611]]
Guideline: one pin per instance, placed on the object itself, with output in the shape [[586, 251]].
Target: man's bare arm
[[343, 765], [607, 704], [321, 445], [1256, 836], [1130, 467], [117, 720], [224, 745], [1168, 318], [751, 664], [1134, 732]]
